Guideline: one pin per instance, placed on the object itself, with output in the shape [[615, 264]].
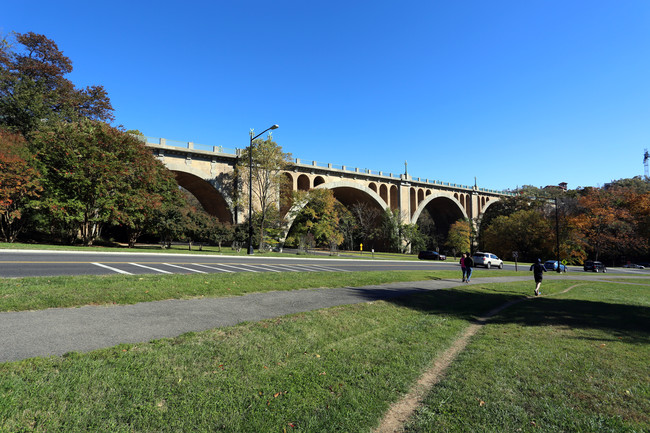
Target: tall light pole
[[557, 236], [250, 187]]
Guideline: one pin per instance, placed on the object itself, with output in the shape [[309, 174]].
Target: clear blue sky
[[515, 92]]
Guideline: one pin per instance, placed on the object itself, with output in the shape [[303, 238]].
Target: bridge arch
[[348, 193], [211, 193], [444, 209]]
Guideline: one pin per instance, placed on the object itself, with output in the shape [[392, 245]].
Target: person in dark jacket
[[538, 272], [469, 264]]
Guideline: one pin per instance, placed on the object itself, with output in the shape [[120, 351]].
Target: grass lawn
[[574, 361], [37, 293]]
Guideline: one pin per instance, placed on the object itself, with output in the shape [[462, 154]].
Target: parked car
[[551, 265], [594, 266], [431, 255], [487, 259], [634, 266]]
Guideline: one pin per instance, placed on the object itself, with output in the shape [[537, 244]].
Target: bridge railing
[[190, 145]]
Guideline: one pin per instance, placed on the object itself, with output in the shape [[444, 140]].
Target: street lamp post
[[250, 187], [557, 236]]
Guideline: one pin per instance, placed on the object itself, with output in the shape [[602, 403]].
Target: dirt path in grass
[[402, 410]]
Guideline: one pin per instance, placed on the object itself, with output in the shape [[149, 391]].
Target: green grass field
[[566, 362]]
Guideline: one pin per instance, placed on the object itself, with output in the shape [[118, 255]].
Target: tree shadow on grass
[[629, 323]]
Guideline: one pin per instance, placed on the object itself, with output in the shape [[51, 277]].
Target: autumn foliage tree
[[458, 239], [19, 184], [34, 89], [606, 221]]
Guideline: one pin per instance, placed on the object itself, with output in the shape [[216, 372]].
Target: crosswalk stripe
[[268, 267], [112, 269], [329, 269], [151, 268], [212, 267], [305, 268], [183, 267], [238, 267], [288, 268]]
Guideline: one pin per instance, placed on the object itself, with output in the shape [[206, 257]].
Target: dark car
[[431, 255], [594, 266], [551, 265]]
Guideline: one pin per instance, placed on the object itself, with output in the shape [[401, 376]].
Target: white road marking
[[183, 267], [113, 269], [289, 268], [238, 267], [152, 268], [268, 268], [328, 269], [212, 267]]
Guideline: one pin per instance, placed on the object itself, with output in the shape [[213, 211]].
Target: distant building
[[561, 185]]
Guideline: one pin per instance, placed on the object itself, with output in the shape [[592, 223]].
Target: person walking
[[469, 264], [462, 266], [538, 273]]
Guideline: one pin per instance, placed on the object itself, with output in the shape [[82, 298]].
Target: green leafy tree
[[171, 222], [221, 232], [94, 174], [34, 89], [319, 217], [414, 239], [268, 164], [19, 184]]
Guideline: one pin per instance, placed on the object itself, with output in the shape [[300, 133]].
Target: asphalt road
[[33, 263], [30, 263]]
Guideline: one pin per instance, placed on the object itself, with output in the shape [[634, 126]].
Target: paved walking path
[[57, 331]]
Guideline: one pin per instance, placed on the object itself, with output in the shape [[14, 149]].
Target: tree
[[459, 236], [146, 187], [391, 230], [94, 174], [319, 217], [34, 90], [367, 218], [606, 225], [427, 227], [414, 239], [221, 232], [19, 184], [268, 164], [526, 231]]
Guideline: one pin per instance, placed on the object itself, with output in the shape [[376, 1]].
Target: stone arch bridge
[[205, 171]]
